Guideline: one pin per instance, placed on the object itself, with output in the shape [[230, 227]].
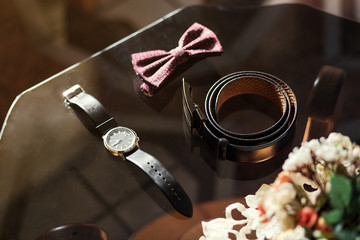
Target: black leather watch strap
[[89, 110], [243, 147], [164, 180]]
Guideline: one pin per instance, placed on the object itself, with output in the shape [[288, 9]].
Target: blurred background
[[40, 38]]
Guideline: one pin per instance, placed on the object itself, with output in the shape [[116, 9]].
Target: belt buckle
[[192, 110]]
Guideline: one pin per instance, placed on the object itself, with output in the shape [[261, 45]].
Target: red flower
[[282, 177], [262, 213], [307, 217]]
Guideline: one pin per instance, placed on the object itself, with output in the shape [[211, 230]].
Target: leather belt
[[251, 147]]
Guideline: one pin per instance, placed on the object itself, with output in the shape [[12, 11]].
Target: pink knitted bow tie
[[154, 67]]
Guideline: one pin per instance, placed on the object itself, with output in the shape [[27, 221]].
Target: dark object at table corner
[[75, 231], [323, 105]]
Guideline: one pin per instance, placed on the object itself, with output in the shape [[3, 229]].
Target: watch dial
[[120, 139]]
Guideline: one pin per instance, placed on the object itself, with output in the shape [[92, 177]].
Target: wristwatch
[[124, 143]]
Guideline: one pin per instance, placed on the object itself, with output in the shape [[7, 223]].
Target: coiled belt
[[251, 147]]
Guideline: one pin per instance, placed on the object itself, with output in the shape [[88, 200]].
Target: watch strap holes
[[166, 181]]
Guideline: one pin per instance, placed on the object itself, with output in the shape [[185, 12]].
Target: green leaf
[[334, 216], [352, 212], [341, 170], [321, 235], [358, 184], [345, 233], [341, 191], [321, 200]]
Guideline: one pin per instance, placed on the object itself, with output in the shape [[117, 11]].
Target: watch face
[[120, 140]]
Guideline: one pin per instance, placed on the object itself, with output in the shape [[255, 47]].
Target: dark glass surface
[[54, 172]]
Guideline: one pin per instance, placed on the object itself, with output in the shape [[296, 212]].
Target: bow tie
[[154, 67]]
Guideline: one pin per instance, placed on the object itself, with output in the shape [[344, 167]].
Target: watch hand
[[117, 142]]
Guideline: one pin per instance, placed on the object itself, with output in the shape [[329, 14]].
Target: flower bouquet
[[316, 196]]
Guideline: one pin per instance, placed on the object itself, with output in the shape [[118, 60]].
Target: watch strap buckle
[[72, 92]]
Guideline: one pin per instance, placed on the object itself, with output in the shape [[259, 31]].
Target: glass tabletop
[[54, 172]]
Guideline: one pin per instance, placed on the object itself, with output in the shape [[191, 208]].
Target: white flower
[[329, 153], [339, 139], [271, 211], [297, 233], [322, 155], [297, 159], [275, 199], [355, 153], [313, 144], [300, 180], [274, 202], [353, 161], [220, 228]]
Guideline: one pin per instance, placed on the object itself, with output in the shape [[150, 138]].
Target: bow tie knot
[[155, 66], [179, 54]]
